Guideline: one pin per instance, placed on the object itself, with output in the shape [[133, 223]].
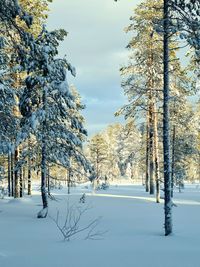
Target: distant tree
[[98, 153], [110, 135], [128, 147]]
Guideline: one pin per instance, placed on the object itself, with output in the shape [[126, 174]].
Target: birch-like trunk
[[166, 124]]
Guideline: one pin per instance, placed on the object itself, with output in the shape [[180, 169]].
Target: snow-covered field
[[133, 221]]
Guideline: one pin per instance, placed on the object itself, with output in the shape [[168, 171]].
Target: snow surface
[[132, 219]]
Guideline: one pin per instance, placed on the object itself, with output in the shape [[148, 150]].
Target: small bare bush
[[72, 224]]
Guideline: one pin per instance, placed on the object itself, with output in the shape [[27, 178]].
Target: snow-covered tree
[[128, 147], [49, 108], [143, 80], [98, 154], [110, 135], [10, 51], [116, 151]]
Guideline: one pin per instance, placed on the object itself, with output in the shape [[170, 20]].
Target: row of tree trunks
[[152, 153], [152, 161], [16, 176]]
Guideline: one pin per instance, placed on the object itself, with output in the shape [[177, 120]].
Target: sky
[[95, 46]]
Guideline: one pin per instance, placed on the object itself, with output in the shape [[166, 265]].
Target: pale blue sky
[[96, 47]]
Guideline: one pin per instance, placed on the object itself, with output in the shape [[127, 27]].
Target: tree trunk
[[29, 168], [9, 174], [16, 174], [156, 155], [43, 213], [147, 154], [68, 180], [151, 149], [166, 125], [20, 183], [97, 169], [199, 168], [48, 181], [132, 171], [12, 174], [173, 160], [24, 177], [122, 168]]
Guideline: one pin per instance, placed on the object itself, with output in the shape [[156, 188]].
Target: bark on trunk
[[68, 180], [29, 168], [166, 125], [43, 213], [16, 174], [24, 178], [156, 154], [173, 160], [151, 119], [43, 177], [12, 174], [48, 181], [199, 168], [151, 149], [122, 168], [20, 183], [9, 174], [147, 154]]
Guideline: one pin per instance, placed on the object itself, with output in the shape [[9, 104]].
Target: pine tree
[[128, 146], [16, 30], [10, 13], [49, 108], [98, 154], [143, 81], [110, 135]]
